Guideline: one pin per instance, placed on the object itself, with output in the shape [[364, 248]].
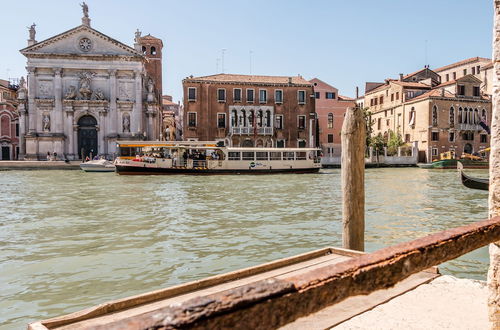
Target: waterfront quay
[[98, 237]]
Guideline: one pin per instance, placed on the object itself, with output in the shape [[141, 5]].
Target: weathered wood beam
[[353, 179], [274, 302]]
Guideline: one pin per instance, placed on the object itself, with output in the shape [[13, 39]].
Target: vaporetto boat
[[201, 157]]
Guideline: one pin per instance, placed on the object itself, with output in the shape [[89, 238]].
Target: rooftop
[[240, 78], [467, 61]]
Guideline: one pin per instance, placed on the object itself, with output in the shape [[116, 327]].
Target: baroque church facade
[[85, 91]]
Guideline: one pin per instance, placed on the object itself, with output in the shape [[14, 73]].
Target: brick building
[[330, 110], [171, 119], [438, 116], [249, 110], [9, 121]]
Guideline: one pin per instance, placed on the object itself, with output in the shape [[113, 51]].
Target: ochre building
[[250, 110], [437, 116]]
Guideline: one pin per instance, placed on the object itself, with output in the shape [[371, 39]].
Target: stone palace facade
[[84, 92]]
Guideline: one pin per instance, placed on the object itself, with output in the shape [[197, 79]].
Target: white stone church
[[84, 92]]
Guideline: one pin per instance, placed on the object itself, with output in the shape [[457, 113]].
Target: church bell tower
[[151, 47]]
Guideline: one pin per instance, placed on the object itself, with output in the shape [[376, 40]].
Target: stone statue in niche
[[71, 93], [85, 79], [98, 95], [150, 86], [126, 123], [32, 31], [46, 122]]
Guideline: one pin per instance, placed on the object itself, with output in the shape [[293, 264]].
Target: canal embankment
[[9, 165]]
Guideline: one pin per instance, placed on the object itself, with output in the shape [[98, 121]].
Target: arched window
[[434, 116], [471, 116], [452, 117], [153, 50], [234, 118], [243, 118], [259, 119], [460, 115], [144, 50], [484, 116], [413, 116], [476, 116], [330, 120], [268, 118]]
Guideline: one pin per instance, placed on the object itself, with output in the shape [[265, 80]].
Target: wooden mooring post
[[494, 188], [353, 179]]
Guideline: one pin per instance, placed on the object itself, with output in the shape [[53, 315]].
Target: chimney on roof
[[400, 77], [357, 92], [289, 80]]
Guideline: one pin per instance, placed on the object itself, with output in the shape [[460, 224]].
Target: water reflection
[[69, 240]]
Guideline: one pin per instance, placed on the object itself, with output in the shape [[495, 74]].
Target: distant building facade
[[172, 119], [9, 121], [330, 110], [249, 110], [470, 66], [84, 92], [436, 116]]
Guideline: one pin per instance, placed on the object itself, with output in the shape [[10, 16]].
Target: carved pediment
[[81, 41], [469, 79]]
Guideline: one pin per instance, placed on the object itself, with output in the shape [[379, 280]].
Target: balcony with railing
[[468, 127], [251, 130]]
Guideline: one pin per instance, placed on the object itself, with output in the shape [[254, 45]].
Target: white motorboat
[[100, 165]]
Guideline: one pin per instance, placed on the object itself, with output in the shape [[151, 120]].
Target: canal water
[[70, 240]]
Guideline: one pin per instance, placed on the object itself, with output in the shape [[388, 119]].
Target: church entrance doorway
[[5, 153], [87, 137]]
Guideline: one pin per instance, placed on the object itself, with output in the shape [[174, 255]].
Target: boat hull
[[446, 164], [474, 183], [137, 170]]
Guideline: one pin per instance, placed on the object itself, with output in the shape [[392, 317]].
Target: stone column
[[22, 130], [69, 131], [136, 120], [494, 189], [101, 139], [58, 113], [113, 112], [31, 100]]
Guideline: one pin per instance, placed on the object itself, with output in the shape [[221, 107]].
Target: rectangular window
[[468, 136], [330, 138], [17, 129], [279, 122], [221, 120], [454, 76], [465, 72], [276, 155], [237, 95], [191, 93], [302, 122], [447, 77], [302, 97], [434, 151], [381, 99], [407, 138], [290, 155], [300, 155], [330, 95], [397, 95], [278, 96], [392, 97], [248, 155], [483, 138], [262, 155], [280, 144], [478, 68], [250, 95], [191, 119], [379, 124], [317, 95], [451, 137], [221, 95], [461, 90], [475, 91], [474, 70], [234, 155], [435, 136], [262, 95]]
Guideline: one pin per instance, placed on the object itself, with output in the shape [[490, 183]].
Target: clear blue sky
[[344, 43]]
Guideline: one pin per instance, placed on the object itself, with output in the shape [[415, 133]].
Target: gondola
[[471, 182]]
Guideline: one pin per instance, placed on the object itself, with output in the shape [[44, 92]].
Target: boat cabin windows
[[301, 156], [262, 155], [234, 155], [128, 151], [275, 155], [288, 155], [248, 155]]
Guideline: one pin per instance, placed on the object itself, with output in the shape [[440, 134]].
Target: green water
[[70, 240]]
